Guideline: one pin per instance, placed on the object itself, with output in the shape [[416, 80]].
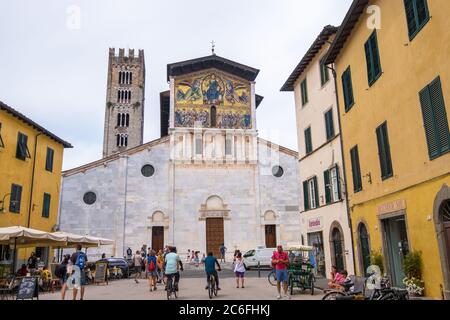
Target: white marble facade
[[179, 196]]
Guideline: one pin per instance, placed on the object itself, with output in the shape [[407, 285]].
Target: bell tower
[[124, 110]]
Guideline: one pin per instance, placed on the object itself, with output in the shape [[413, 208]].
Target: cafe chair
[[8, 289]]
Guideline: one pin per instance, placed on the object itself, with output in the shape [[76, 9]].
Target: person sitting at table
[[23, 271]]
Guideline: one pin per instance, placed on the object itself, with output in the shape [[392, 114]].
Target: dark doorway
[[337, 242], [157, 238], [396, 245], [271, 236], [364, 246], [445, 216], [214, 235], [315, 240], [213, 117]]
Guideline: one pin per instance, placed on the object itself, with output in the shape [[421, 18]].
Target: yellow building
[[394, 106], [30, 176]]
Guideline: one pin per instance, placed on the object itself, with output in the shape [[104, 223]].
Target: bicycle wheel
[[211, 287], [332, 295], [169, 289], [272, 278], [215, 289], [312, 282], [388, 296]]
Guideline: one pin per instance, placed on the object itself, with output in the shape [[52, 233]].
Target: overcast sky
[[54, 70]]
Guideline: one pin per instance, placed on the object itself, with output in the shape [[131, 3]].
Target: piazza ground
[[192, 287]]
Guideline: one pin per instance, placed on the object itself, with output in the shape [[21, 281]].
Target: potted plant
[[412, 265]]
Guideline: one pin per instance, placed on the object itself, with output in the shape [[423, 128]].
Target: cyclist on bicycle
[[171, 263], [210, 268]]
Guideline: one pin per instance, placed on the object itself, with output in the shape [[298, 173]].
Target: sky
[[54, 57]]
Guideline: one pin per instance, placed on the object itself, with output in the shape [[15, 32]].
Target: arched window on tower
[[118, 119], [129, 96], [126, 140], [213, 117], [127, 120], [118, 140], [122, 124], [118, 96], [131, 75]]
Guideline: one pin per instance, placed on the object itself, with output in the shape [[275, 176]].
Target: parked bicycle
[[272, 278]]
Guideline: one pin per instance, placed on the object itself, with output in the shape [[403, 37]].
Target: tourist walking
[[196, 259], [222, 250], [281, 260], [160, 264], [79, 260], [61, 273], [137, 261], [239, 269], [151, 265]]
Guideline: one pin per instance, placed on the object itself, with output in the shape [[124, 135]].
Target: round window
[[277, 171], [89, 198], [147, 170]]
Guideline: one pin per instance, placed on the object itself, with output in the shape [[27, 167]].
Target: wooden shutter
[[384, 152], [375, 55], [49, 160], [410, 17], [305, 195], [327, 182], [356, 170], [347, 88], [308, 143], [46, 206], [316, 192], [429, 123], [329, 124], [368, 62], [338, 182], [15, 198], [440, 116], [422, 12]]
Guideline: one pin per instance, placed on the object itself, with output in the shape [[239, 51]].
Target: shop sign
[[315, 224], [393, 206]]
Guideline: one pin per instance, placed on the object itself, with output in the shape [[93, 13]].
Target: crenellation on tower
[[124, 111]]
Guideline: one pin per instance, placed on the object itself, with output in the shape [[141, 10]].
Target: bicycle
[[171, 286], [212, 287], [272, 278]]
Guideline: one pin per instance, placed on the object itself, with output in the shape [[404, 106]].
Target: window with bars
[[347, 87], [329, 125], [46, 205], [122, 140], [435, 119], [124, 96], [356, 169], [22, 151], [125, 77], [123, 119], [384, 151], [308, 141], [49, 159], [15, 198], [372, 59], [310, 194], [417, 16]]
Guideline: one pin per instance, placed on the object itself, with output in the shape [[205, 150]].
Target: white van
[[260, 254]]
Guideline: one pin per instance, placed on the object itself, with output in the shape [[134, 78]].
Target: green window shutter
[[347, 87], [304, 89], [308, 141], [369, 62], [49, 160], [316, 192], [324, 73], [338, 182], [384, 152], [15, 198], [329, 124], [326, 179], [305, 195], [410, 17], [422, 12], [440, 116], [356, 170], [46, 206], [429, 123]]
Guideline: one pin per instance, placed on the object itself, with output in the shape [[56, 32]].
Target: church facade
[[209, 180]]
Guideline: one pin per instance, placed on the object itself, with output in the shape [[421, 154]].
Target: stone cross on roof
[[213, 45]]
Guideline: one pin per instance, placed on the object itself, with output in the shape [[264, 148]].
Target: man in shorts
[[171, 263], [210, 269], [280, 260], [79, 260]]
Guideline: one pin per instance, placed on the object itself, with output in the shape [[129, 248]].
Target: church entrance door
[[271, 236], [157, 238], [214, 235]]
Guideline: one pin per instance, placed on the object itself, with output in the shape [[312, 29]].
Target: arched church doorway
[[214, 235], [157, 238]]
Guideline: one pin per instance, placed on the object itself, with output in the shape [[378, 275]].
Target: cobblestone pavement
[[192, 287]]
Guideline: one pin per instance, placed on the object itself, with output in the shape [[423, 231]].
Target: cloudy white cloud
[[56, 74]]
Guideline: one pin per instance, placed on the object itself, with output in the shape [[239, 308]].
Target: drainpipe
[[30, 206], [349, 218]]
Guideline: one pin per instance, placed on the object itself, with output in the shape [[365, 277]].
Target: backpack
[[81, 260], [151, 265]]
